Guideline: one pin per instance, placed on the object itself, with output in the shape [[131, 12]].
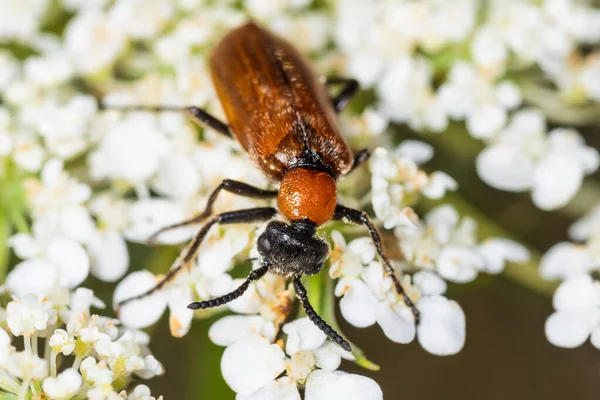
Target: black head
[[292, 250]]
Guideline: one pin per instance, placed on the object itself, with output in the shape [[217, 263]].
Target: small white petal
[[586, 226], [571, 328], [565, 260], [459, 264], [397, 322], [77, 224], [429, 283], [329, 356], [109, 254], [71, 259], [281, 389], [439, 183], [180, 317], [359, 304], [419, 152], [496, 251], [251, 363], [143, 312], [556, 180], [504, 167], [508, 94], [485, 121], [303, 335], [442, 329], [24, 245], [64, 386], [324, 385], [578, 292], [19, 279], [232, 328]]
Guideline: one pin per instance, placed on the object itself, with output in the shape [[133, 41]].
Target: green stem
[[5, 232]]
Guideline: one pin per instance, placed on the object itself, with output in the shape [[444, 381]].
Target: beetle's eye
[[263, 244]]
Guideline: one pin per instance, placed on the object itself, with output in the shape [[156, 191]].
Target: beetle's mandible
[[283, 116]]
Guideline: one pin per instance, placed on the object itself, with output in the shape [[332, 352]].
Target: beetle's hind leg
[[198, 115], [229, 185], [316, 319], [233, 217], [349, 90]]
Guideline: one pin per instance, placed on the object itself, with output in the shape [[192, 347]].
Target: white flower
[[48, 70], [442, 327], [250, 363], [29, 314], [26, 365], [62, 342], [8, 69], [64, 386], [96, 373], [470, 95], [524, 158], [322, 385], [141, 392], [114, 158], [143, 312], [489, 50], [406, 95], [57, 193], [50, 256], [147, 216], [65, 127], [577, 315], [396, 181], [232, 328], [139, 19], [93, 41], [567, 260], [21, 20]]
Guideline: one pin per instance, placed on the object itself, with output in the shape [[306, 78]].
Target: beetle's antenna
[[229, 297], [316, 319]]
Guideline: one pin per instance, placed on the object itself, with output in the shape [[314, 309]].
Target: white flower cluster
[[84, 354], [577, 299], [426, 70]]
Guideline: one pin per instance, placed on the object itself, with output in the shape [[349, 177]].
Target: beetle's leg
[[229, 185], [316, 319], [233, 217], [253, 276], [197, 114], [350, 88], [360, 158], [360, 217]]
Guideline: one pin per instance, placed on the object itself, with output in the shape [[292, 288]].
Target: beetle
[[283, 116]]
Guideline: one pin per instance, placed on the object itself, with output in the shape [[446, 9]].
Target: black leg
[[200, 116], [235, 187], [361, 217], [350, 88], [314, 317], [229, 297], [360, 158], [233, 217]]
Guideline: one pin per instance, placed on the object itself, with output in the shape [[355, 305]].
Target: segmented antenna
[[229, 297], [316, 319]]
